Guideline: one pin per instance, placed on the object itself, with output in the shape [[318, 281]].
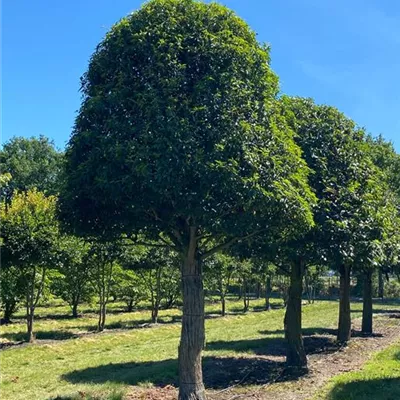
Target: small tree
[[72, 284], [102, 260], [130, 288], [218, 273], [29, 241], [158, 275]]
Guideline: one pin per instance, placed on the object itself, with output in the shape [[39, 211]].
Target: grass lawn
[[378, 380], [121, 356]]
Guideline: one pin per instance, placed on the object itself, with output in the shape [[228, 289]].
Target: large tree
[[177, 139], [333, 147]]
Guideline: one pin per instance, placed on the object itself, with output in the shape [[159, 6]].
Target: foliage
[[102, 261], [392, 289], [72, 282], [29, 239], [12, 290], [29, 230], [177, 96], [31, 163], [129, 287], [219, 271]]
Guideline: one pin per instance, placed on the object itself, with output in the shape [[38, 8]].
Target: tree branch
[[228, 243]]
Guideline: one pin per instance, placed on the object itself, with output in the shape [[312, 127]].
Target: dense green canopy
[[178, 124]]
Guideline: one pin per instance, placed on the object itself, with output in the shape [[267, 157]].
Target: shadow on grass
[[378, 389], [135, 324], [40, 335], [218, 372], [274, 346], [321, 331], [386, 311], [273, 306]]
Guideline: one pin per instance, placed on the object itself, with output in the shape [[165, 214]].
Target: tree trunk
[[29, 321], [258, 290], [313, 291], [75, 310], [268, 293], [129, 305], [307, 287], [191, 385], [245, 301], [223, 305], [344, 326], [102, 317], [367, 303], [296, 355], [154, 313], [156, 305], [381, 286]]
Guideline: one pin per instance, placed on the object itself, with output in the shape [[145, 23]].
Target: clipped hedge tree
[[177, 139]]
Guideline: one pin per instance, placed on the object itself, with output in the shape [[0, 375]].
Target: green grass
[[108, 362], [378, 380]]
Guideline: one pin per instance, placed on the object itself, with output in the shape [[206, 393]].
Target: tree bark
[[102, 317], [367, 303], [245, 297], [344, 326], [308, 288], [268, 293], [223, 305], [129, 305], [75, 310], [154, 313], [191, 385], [156, 305], [296, 355], [30, 308], [29, 321], [258, 290], [381, 285]]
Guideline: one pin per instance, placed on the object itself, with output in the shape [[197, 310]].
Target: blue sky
[[343, 53]]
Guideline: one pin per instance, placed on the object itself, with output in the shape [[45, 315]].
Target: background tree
[[333, 148], [102, 259], [219, 271], [72, 284], [387, 160], [160, 277], [130, 288], [29, 241], [32, 163]]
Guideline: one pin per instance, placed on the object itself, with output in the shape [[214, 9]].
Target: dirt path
[[264, 377]]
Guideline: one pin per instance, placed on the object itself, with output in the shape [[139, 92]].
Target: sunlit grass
[[140, 356], [378, 380]]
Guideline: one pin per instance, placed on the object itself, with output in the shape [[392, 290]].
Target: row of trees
[[182, 143]]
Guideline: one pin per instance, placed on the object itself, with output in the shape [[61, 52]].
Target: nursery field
[[243, 357]]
